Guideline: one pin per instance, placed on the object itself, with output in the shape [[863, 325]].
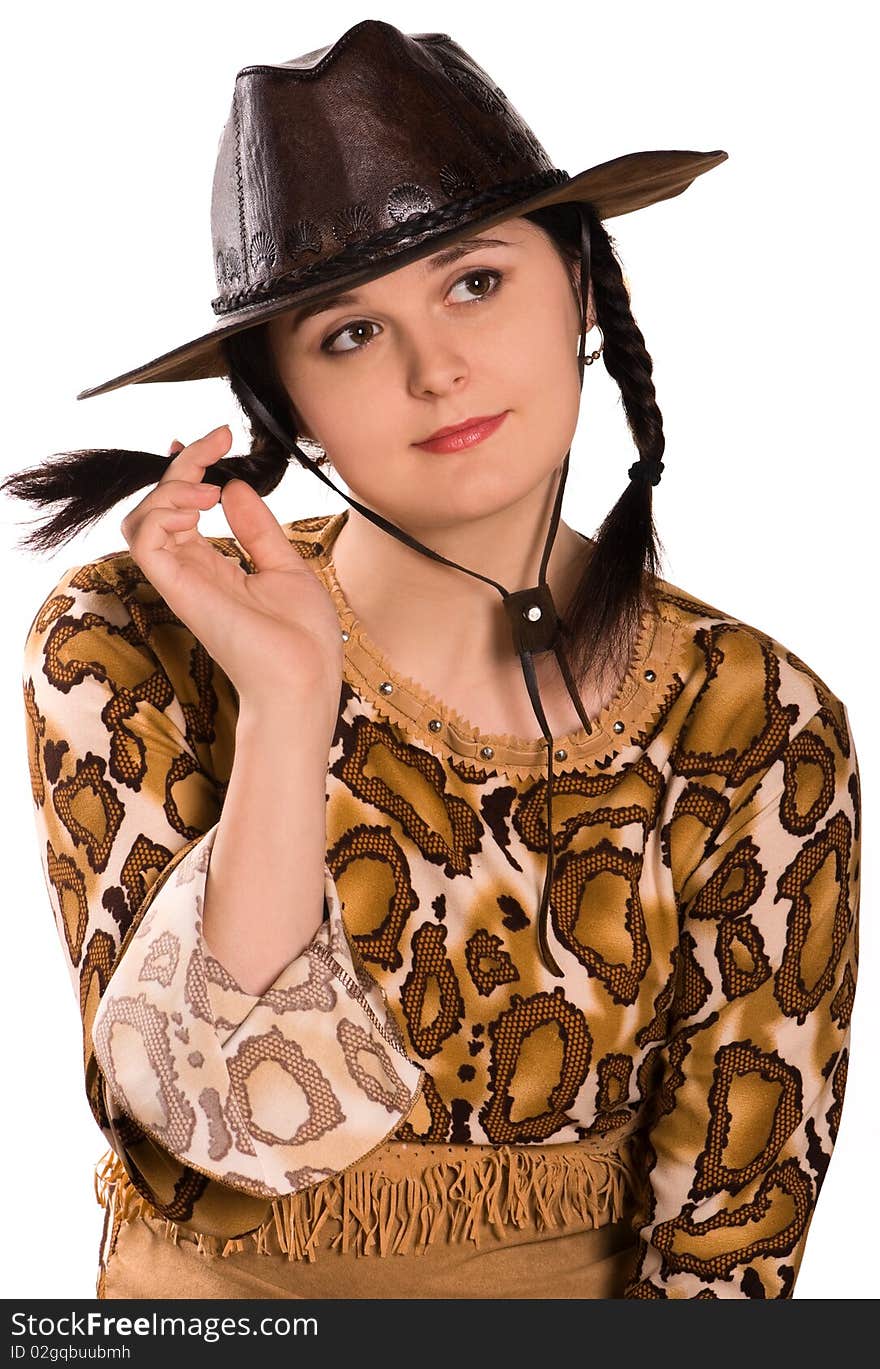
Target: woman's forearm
[[264, 896]]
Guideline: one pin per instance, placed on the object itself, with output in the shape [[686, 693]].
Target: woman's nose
[[435, 363]]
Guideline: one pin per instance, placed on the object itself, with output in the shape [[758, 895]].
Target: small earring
[[590, 357]]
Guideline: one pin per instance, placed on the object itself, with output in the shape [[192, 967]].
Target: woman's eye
[[349, 328], [361, 325], [480, 275]]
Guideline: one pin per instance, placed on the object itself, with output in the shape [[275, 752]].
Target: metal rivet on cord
[[533, 613], [386, 686], [560, 755], [650, 675], [487, 752], [618, 727], [435, 724]]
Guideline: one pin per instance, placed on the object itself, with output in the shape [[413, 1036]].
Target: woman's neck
[[415, 607]]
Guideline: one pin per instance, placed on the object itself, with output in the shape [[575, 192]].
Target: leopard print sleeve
[[129, 763], [754, 1066], [211, 1071]]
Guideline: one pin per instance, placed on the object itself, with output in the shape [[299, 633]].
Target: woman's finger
[[175, 494], [153, 532], [191, 462], [255, 526]]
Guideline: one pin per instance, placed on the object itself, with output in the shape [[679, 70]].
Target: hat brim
[[619, 186]]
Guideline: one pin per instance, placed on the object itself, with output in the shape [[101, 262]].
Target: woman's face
[[428, 346]]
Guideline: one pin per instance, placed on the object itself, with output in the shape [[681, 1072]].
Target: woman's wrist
[[272, 716]]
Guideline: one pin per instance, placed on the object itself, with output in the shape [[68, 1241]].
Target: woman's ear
[[575, 268], [591, 308]]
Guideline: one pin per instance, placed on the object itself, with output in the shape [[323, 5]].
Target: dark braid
[[250, 354], [602, 620], [87, 484]]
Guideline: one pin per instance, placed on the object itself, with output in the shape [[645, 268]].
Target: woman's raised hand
[[274, 629]]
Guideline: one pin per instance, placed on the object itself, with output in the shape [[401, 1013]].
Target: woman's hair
[[617, 584]]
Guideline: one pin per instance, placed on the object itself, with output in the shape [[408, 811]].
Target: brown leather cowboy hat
[[350, 161]]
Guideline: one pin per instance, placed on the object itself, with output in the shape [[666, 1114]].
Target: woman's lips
[[464, 437]]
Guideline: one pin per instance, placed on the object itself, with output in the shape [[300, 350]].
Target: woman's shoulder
[[744, 674], [108, 608]]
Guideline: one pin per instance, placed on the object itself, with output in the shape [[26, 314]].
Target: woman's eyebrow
[[436, 262]]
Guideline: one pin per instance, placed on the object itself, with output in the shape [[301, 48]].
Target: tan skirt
[[410, 1221]]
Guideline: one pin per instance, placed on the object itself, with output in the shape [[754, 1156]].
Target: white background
[[756, 291]]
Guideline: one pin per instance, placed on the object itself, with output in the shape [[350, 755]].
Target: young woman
[[368, 971]]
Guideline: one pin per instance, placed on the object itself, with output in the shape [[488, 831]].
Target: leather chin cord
[[534, 622]]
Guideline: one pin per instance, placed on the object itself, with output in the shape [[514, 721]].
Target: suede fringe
[[449, 1200]]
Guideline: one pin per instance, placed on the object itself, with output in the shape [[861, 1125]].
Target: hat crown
[[343, 146]]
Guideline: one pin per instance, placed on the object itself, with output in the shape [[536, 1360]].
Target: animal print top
[[704, 911]]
